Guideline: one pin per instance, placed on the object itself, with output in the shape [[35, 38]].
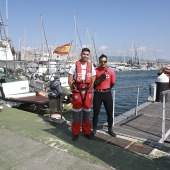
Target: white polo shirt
[[83, 71]]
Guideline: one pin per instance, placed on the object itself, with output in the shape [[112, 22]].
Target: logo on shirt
[[88, 74], [76, 97], [90, 95], [79, 78], [107, 76]]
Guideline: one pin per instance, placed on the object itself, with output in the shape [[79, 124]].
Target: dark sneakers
[[89, 136], [94, 131], [75, 137], [110, 131]]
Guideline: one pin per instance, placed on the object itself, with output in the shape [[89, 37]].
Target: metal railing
[[122, 88], [164, 134]]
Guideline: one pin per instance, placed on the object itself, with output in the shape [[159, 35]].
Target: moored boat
[[165, 70]]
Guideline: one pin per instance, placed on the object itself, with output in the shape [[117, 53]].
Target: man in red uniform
[[81, 79], [103, 94]]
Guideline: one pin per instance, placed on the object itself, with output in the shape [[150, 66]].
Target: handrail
[[127, 87], [165, 92], [164, 135]]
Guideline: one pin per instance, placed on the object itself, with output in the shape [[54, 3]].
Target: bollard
[[162, 84], [152, 92]]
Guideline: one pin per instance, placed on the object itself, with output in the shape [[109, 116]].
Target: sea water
[[125, 99]]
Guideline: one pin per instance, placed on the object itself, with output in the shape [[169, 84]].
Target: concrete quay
[[29, 141]]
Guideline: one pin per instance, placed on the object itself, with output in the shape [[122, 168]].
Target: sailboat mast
[[133, 53], [7, 18], [86, 36], [46, 40], [75, 30], [42, 49], [94, 39], [125, 52]]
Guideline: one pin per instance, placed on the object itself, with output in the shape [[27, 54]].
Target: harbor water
[[125, 99]]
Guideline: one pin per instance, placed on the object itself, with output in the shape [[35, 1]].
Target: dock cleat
[[55, 120]]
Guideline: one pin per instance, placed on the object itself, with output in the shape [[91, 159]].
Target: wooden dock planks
[[147, 125]]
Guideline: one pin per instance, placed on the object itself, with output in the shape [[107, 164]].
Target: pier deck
[[147, 125], [30, 141]]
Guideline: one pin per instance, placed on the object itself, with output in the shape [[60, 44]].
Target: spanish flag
[[64, 49]]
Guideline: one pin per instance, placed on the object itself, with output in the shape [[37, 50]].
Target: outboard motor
[[55, 86], [55, 98]]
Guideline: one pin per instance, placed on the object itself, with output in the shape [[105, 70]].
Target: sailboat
[[7, 52]]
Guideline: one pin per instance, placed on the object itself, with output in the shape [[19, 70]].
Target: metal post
[[163, 120], [113, 107], [136, 109]]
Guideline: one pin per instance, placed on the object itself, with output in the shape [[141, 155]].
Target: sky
[[111, 25]]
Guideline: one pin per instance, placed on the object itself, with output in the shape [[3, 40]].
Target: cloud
[[155, 50], [141, 48], [86, 46], [103, 48]]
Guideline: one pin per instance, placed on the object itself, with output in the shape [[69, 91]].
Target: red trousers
[[81, 100]]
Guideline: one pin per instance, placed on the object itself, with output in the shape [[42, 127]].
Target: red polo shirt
[[110, 77]]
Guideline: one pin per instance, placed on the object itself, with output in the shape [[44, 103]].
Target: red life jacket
[[88, 78]]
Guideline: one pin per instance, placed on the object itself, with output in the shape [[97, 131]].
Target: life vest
[[79, 73]]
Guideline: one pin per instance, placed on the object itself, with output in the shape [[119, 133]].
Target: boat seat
[[16, 89]]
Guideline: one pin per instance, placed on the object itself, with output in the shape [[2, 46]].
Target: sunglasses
[[103, 61]]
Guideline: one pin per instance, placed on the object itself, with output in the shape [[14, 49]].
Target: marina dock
[[147, 124]]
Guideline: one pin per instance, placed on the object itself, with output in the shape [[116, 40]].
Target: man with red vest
[[81, 78], [102, 93]]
